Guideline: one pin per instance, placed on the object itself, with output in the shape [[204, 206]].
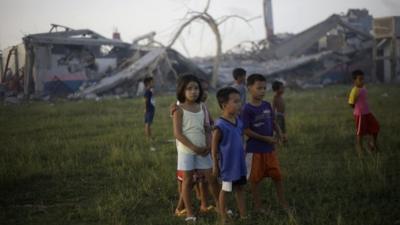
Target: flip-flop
[[208, 209], [180, 213], [190, 219]]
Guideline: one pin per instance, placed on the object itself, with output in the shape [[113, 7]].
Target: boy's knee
[[238, 188], [276, 176]]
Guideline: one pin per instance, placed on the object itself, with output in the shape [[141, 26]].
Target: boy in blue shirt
[[259, 126], [149, 108], [227, 150], [239, 75]]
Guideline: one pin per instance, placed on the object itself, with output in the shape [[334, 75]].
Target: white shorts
[[227, 186], [187, 162]]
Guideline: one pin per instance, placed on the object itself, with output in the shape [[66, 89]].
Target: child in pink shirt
[[366, 124]]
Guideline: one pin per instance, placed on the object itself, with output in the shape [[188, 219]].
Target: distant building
[[386, 53], [359, 19]]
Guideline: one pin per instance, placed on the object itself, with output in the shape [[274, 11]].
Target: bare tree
[[214, 25]]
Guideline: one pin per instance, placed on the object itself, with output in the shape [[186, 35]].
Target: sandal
[[208, 209], [190, 219], [180, 213]]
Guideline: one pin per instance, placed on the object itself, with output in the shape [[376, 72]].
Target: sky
[[133, 18]]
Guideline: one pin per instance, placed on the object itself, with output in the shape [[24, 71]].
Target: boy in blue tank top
[[227, 151]]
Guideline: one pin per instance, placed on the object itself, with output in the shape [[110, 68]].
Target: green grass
[[87, 163]]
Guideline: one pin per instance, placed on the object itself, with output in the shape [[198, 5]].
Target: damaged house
[[387, 49], [326, 52], [79, 63], [322, 54]]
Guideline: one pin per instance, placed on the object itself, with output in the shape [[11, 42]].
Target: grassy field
[[86, 163]]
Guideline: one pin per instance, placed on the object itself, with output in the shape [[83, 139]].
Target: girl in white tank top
[[193, 129], [189, 131]]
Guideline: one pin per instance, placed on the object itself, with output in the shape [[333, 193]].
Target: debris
[[91, 96], [12, 100], [73, 63], [128, 73], [320, 55]]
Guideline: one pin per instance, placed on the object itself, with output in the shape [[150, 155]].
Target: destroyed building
[[322, 54], [83, 62], [386, 53], [12, 62]]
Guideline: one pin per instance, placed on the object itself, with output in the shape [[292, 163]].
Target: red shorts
[[196, 176], [263, 165], [366, 125]]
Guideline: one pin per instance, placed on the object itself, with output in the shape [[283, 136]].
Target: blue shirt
[[232, 162], [260, 119], [148, 94]]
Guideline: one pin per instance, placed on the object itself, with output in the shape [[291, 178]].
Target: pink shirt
[[358, 97]]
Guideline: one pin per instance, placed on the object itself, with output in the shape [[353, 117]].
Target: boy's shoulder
[[223, 122], [355, 91], [265, 104], [148, 92], [238, 86], [250, 107], [354, 88], [226, 127], [277, 97]]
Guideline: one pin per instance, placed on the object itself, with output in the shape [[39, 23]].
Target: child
[[200, 186], [199, 182], [258, 121], [227, 150], [239, 75], [278, 106], [366, 124], [193, 152], [149, 109]]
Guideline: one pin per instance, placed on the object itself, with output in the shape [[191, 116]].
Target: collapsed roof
[[83, 62], [300, 43], [331, 47]]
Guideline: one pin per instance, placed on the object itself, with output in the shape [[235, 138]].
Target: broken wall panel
[[15, 63], [386, 55], [70, 62], [126, 74]]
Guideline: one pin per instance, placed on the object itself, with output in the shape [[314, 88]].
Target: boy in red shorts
[[259, 125], [366, 124]]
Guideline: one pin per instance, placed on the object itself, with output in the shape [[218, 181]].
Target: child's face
[[151, 84], [281, 90], [234, 104], [359, 81], [192, 91], [257, 90]]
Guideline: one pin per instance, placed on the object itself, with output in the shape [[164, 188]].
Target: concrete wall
[[71, 69]]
